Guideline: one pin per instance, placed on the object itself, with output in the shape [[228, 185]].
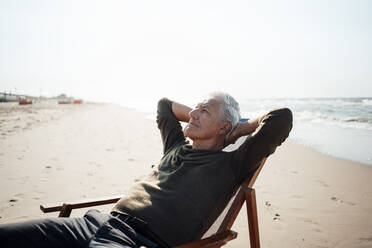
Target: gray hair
[[230, 110]]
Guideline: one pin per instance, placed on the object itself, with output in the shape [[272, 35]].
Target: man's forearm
[[181, 111], [243, 129], [250, 126]]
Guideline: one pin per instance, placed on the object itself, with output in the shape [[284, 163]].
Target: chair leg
[[250, 197]]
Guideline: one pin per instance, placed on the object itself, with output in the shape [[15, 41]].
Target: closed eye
[[205, 110], [202, 108]]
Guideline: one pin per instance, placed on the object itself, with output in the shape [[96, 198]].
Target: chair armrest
[[80, 203], [216, 240]]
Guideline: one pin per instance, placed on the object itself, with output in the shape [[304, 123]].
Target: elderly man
[[183, 195]]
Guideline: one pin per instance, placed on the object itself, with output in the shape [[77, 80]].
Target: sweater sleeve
[[272, 132], [170, 128]]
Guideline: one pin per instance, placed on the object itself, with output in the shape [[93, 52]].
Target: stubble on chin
[[189, 131]]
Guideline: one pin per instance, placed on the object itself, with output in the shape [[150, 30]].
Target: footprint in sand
[[313, 223], [323, 183], [276, 217], [365, 239], [310, 221], [333, 198], [269, 207]]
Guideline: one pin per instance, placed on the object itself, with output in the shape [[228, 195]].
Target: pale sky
[[135, 52]]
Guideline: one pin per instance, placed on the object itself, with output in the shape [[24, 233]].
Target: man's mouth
[[193, 124]]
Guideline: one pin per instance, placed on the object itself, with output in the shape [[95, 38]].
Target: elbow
[[286, 122], [283, 115], [283, 119], [162, 101], [286, 116], [163, 105]]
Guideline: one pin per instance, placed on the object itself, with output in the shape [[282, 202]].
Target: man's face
[[205, 120]]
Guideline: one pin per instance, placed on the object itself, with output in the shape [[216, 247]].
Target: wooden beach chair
[[220, 232]]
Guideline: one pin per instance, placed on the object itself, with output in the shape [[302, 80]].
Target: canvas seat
[[218, 234]]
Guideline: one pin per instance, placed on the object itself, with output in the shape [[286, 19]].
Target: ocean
[[340, 127]]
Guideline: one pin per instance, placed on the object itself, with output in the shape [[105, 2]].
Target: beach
[[54, 153]]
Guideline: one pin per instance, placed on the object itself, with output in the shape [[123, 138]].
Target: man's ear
[[225, 129]]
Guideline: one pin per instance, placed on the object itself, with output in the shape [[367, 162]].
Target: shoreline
[[95, 150]]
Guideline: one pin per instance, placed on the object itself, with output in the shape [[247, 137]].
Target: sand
[[51, 153]]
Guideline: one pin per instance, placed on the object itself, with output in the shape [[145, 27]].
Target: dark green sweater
[[185, 193]]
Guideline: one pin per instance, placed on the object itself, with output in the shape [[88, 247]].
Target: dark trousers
[[93, 230]]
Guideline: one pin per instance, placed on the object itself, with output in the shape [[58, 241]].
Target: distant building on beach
[[64, 99], [27, 99], [4, 97]]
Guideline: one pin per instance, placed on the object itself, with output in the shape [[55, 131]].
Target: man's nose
[[193, 114]]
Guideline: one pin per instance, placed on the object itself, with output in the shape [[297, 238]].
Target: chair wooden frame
[[224, 233]]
